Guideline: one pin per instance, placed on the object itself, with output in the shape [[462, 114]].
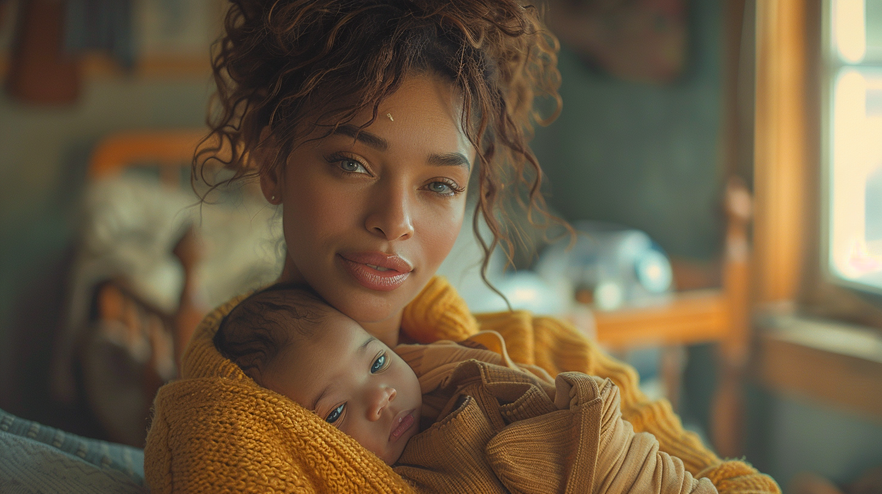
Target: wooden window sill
[[822, 360]]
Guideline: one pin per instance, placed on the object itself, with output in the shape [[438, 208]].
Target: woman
[[368, 122]]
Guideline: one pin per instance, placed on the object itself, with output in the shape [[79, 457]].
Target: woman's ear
[[271, 185], [270, 177]]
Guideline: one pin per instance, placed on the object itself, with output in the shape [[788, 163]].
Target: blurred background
[[721, 159]]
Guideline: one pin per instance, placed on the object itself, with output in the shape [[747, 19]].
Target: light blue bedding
[[35, 458]]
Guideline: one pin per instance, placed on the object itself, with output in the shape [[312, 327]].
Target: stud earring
[[273, 198]]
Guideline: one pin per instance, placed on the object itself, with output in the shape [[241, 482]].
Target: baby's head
[[290, 341]]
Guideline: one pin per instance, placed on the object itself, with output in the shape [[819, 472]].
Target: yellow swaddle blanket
[[215, 430]]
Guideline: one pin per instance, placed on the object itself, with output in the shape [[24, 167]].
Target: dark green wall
[[643, 155]]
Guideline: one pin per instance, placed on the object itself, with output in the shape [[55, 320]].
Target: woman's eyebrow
[[377, 142], [450, 159], [363, 136]]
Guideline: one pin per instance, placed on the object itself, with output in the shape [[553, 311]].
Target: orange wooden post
[[780, 141], [727, 422], [166, 148]]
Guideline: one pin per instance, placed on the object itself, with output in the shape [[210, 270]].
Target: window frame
[[791, 133], [830, 68]]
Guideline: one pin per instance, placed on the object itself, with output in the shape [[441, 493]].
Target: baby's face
[[353, 381]]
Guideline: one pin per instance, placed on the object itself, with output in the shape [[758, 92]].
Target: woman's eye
[[335, 414], [346, 164], [351, 166], [444, 188], [439, 187], [378, 364]]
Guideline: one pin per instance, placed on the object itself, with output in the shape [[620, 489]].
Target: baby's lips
[[401, 424]]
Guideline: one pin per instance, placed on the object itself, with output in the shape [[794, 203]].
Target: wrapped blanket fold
[[215, 430], [502, 427]]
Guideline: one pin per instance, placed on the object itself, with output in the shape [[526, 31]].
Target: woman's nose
[[381, 399], [391, 216]]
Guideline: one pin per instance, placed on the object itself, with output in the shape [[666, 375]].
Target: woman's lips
[[375, 270], [402, 423]]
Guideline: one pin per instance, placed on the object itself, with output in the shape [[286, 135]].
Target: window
[[852, 160]]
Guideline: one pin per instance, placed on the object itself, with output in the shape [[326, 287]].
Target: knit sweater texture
[[215, 430], [497, 427]]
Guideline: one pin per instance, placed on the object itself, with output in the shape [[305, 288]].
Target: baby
[[290, 341], [489, 425]]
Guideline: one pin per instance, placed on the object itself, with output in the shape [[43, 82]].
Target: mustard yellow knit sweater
[[216, 430]]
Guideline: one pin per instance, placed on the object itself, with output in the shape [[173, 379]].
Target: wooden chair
[[710, 315]]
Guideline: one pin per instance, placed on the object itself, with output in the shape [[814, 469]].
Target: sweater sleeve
[[631, 461], [557, 346]]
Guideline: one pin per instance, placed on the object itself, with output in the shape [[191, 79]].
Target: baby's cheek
[[367, 437]]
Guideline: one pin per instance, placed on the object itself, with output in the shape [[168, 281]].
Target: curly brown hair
[[286, 68]]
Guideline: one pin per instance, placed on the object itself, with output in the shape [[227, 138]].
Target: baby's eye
[[378, 364], [335, 414]]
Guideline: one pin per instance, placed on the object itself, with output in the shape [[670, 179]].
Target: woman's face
[[368, 217]]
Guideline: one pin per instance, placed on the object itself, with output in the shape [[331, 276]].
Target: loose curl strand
[[285, 69]]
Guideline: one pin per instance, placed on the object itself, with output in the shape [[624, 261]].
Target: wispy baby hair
[[254, 333], [287, 68]]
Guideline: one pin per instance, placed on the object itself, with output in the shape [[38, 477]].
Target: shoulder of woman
[[201, 358], [438, 313], [536, 340]]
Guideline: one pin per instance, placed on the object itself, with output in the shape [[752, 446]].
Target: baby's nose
[[385, 396]]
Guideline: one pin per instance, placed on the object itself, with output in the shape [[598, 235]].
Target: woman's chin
[[372, 308]]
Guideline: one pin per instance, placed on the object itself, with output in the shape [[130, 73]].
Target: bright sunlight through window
[[854, 170]]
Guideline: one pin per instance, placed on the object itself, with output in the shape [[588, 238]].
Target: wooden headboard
[[168, 147]]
